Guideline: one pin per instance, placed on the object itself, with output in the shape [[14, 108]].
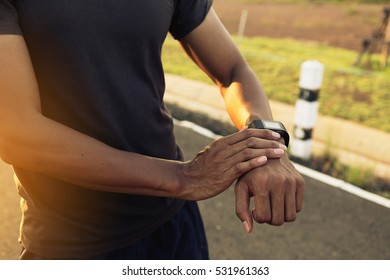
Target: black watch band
[[272, 125]]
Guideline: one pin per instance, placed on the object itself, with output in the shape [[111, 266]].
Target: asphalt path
[[333, 224]]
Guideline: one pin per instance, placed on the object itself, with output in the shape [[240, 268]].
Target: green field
[[348, 92]]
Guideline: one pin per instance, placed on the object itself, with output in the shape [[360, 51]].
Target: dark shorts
[[181, 238]]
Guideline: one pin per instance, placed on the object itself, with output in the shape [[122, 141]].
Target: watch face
[[273, 125]]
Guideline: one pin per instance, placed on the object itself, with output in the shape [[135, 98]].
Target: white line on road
[[198, 129], [331, 181]]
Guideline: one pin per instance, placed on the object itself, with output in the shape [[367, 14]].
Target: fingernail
[[279, 151], [276, 135], [262, 159], [283, 146], [246, 227]]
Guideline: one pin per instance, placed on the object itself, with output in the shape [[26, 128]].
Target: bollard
[[306, 109]]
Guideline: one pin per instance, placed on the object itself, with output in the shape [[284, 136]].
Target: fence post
[[386, 39], [306, 108]]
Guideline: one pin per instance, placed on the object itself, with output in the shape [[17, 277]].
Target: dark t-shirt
[[99, 71]]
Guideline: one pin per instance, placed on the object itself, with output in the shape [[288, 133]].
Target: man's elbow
[[11, 144]]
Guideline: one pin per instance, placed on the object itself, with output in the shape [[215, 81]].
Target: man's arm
[[277, 187], [30, 141], [213, 50]]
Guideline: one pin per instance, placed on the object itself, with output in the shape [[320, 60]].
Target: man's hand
[[215, 168], [277, 190]]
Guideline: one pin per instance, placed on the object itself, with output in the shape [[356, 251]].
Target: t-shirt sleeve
[[9, 23], [188, 15]]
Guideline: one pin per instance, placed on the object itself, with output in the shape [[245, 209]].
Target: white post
[[306, 108], [242, 25]]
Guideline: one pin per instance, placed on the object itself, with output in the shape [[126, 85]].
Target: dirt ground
[[339, 25]]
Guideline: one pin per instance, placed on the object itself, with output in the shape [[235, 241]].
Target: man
[[91, 143]]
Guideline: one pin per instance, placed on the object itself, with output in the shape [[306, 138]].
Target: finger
[[243, 196], [262, 211], [243, 167], [277, 202], [254, 143], [290, 204], [299, 187], [232, 144], [299, 193], [248, 133], [248, 154]]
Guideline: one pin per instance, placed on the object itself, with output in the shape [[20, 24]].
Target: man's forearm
[[245, 98], [212, 49], [47, 147]]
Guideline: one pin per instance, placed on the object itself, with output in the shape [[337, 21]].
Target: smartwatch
[[272, 125]]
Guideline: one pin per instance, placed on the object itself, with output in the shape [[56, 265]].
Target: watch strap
[[258, 124]]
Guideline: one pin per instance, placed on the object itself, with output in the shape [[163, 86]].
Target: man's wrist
[[271, 125]]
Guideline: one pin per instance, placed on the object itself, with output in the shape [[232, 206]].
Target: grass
[[363, 177], [348, 92]]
